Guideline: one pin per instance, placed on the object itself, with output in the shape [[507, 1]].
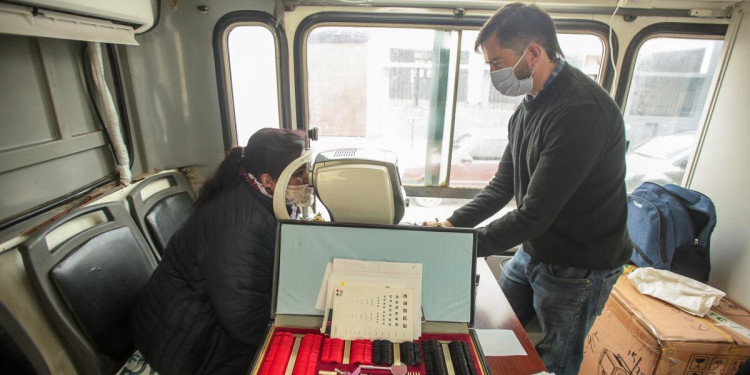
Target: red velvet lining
[[320, 366]]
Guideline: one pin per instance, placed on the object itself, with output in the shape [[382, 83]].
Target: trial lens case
[[448, 258]]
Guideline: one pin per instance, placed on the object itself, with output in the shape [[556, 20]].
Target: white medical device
[[279, 200], [360, 185], [355, 185]]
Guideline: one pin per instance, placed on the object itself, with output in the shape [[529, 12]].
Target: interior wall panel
[[70, 81], [174, 92], [51, 142], [722, 173], [25, 104], [25, 188]]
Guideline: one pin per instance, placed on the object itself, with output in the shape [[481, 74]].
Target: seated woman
[[206, 307]]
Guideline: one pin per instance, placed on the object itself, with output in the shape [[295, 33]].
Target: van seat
[[87, 281], [160, 204]]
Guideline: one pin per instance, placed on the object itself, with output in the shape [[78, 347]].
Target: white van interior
[[134, 103]]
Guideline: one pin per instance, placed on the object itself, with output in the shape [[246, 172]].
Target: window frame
[[664, 29], [451, 22], [675, 30], [223, 28]]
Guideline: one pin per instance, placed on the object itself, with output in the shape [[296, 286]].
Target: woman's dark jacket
[[207, 305]]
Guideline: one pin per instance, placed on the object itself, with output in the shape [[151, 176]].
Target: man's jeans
[[566, 300]]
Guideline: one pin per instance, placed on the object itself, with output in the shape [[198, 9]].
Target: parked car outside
[[661, 160], [476, 155]]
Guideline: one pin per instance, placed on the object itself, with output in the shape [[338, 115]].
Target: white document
[[320, 303], [499, 342], [372, 273], [372, 312], [334, 288]]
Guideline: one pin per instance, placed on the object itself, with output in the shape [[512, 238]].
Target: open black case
[[303, 250]]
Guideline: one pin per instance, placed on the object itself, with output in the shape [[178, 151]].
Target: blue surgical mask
[[506, 82]]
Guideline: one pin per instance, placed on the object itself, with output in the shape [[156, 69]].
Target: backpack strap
[[687, 195], [643, 253]]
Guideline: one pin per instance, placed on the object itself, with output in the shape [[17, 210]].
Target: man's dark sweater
[[565, 165]]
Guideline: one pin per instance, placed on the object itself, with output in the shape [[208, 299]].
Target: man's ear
[[535, 51]]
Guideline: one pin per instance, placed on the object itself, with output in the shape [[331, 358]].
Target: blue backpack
[[670, 227]]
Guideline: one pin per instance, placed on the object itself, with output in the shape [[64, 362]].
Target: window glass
[[395, 89], [254, 80], [483, 113], [667, 94], [371, 87], [376, 87]]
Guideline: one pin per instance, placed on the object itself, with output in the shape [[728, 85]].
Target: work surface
[[494, 312]]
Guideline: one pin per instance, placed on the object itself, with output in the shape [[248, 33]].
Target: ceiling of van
[[549, 4]]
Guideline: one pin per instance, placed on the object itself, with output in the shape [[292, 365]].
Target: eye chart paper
[[373, 312], [349, 278]]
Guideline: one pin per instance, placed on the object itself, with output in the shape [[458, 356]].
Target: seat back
[[14, 359], [22, 318], [87, 281], [160, 205]]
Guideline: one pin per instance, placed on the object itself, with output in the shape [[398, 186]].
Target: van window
[[410, 90], [668, 90], [254, 80]]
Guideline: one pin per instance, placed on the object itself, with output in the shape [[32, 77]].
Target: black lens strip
[[462, 358], [469, 358], [386, 352], [433, 354], [460, 361], [417, 354], [376, 352], [407, 353], [382, 352], [428, 365]]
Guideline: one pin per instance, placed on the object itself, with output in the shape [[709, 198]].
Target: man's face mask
[[300, 195], [506, 82]]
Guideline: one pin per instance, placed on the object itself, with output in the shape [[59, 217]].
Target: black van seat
[[23, 320], [14, 359], [87, 282], [159, 213]]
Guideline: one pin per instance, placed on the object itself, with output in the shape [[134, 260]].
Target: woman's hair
[[269, 151], [516, 25]]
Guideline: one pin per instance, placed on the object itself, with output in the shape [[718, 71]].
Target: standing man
[[565, 166]]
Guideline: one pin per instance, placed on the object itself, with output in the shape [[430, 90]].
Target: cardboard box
[[638, 334], [303, 249]]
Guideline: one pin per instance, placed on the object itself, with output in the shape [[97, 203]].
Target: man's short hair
[[516, 25]]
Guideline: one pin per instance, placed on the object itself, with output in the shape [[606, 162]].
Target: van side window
[[254, 80], [411, 89], [668, 92]]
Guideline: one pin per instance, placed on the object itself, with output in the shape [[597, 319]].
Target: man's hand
[[437, 223]]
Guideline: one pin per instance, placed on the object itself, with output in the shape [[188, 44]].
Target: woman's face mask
[[300, 195], [506, 82]]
